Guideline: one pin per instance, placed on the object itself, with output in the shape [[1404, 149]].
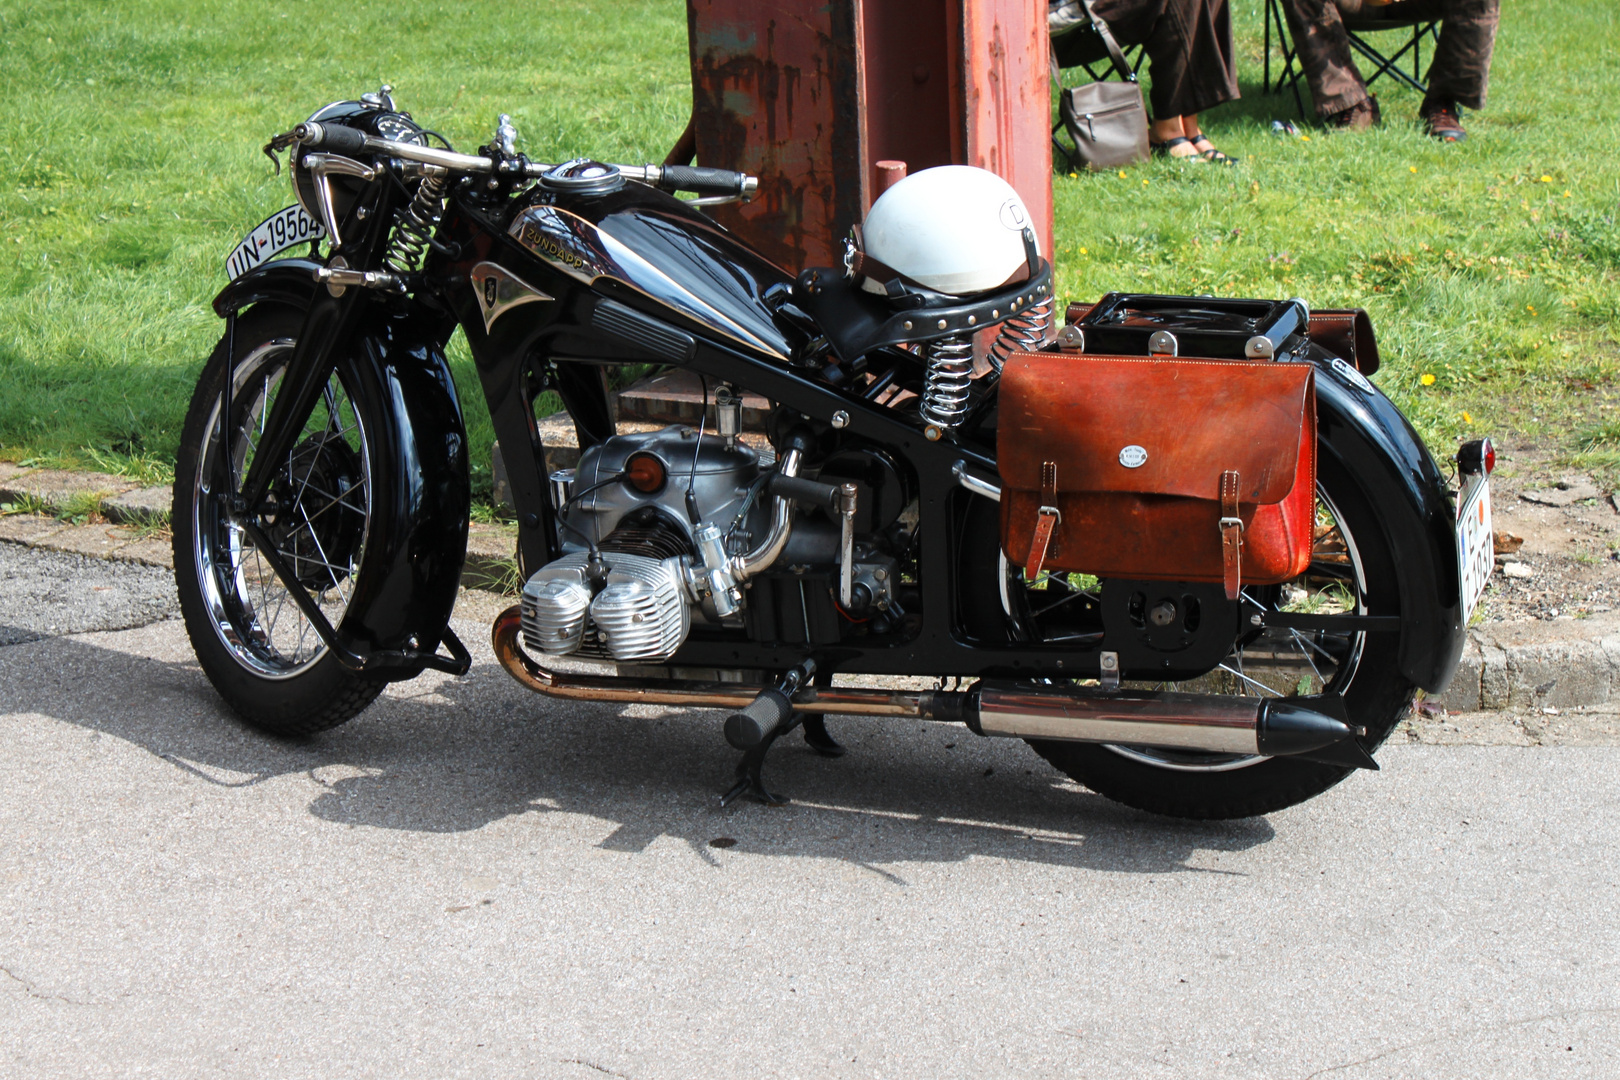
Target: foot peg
[[754, 724], [753, 730]]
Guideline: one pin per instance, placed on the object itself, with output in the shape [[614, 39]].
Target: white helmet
[[954, 229]]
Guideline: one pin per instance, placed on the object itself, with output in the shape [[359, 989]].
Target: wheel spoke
[[258, 616], [1248, 681]]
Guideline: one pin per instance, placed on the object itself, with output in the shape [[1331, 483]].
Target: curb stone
[[1553, 663], [491, 549], [491, 564]]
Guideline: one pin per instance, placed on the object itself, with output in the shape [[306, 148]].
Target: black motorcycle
[[321, 497]]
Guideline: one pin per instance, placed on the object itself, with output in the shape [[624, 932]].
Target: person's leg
[[1136, 22], [1323, 50], [1461, 69], [1189, 48]]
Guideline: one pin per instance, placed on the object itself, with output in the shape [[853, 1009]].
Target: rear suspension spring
[[1023, 332], [947, 382]]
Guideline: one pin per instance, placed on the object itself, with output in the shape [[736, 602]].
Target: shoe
[[1162, 149], [1358, 117], [1209, 153], [1441, 121]]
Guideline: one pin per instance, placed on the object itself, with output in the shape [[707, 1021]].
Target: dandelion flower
[[1082, 251], [1546, 179], [1466, 418], [1122, 174], [1411, 168], [1426, 379], [1144, 181], [1304, 138], [1074, 176]]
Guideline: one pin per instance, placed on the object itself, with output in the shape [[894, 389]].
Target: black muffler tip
[[1288, 728], [748, 728]]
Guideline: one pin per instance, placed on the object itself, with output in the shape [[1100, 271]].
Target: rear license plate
[[1476, 554], [275, 234]]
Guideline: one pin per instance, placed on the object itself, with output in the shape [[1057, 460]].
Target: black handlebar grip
[[336, 137], [748, 728], [701, 180], [805, 492]]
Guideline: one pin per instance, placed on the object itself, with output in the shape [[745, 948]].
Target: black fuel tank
[[663, 249]]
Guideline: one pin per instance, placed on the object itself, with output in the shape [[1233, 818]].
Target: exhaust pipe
[[1272, 727], [1312, 728]]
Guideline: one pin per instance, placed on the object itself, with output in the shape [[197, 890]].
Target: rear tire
[[1209, 786], [255, 646]]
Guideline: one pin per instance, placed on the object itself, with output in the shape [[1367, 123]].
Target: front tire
[[255, 645], [1352, 561]]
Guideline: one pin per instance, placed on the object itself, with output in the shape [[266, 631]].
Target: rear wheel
[[257, 647], [1351, 571]]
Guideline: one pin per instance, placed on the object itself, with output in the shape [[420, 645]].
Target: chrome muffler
[[1314, 728]]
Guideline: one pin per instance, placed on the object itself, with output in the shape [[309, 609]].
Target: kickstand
[[748, 775], [815, 724], [816, 737]]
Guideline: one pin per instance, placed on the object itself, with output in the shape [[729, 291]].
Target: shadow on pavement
[[443, 755]]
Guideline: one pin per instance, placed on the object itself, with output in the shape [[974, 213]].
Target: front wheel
[[257, 647], [1352, 570]]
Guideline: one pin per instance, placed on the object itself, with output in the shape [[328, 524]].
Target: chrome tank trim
[[586, 253], [499, 291]]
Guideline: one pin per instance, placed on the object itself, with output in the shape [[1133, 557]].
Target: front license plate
[[1476, 554], [275, 234]]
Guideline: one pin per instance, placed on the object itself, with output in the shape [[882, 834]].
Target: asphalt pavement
[[469, 880]]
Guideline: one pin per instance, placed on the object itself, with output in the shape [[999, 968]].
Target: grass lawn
[[130, 163]]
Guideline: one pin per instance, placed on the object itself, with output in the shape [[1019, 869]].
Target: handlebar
[[699, 180], [702, 180]]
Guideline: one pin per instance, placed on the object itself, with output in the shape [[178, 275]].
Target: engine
[[664, 530], [650, 523]]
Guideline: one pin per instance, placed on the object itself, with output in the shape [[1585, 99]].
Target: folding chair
[[1355, 27], [1083, 46]]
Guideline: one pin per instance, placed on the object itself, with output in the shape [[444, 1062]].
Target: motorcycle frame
[[556, 345]]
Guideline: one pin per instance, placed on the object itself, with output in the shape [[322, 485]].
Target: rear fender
[[1367, 434]]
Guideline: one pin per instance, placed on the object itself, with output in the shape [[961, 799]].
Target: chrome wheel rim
[[1329, 662], [325, 520]]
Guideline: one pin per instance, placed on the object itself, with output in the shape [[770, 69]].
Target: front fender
[[417, 539], [1376, 444], [420, 502], [288, 281]]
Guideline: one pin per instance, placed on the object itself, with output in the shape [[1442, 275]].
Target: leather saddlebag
[[1158, 467]]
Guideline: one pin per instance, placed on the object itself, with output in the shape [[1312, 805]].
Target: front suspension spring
[[413, 229]]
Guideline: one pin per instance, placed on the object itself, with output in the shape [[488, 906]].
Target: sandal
[[1211, 154], [1162, 149]]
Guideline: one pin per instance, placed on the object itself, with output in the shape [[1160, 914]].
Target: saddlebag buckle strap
[[1046, 521], [1231, 526]]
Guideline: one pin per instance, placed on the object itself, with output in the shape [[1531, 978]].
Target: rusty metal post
[[886, 174], [812, 96], [1007, 101]]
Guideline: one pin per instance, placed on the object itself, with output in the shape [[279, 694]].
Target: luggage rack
[[1145, 324]]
